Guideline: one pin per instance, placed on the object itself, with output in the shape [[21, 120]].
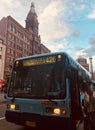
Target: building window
[[9, 59], [0, 56], [10, 43], [0, 48], [1, 41], [10, 51], [9, 67], [11, 37], [12, 28], [19, 34]]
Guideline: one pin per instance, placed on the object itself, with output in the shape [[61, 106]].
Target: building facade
[[83, 62], [2, 58], [20, 41], [94, 76]]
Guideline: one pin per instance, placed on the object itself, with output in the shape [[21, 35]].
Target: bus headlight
[[13, 107], [57, 111]]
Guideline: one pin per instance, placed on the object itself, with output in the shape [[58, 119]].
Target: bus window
[[37, 82]]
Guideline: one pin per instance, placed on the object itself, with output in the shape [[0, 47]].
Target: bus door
[[75, 95]]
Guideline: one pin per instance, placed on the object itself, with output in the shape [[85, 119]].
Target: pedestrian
[[89, 103]]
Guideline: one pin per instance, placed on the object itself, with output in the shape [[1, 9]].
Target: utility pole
[[91, 67]]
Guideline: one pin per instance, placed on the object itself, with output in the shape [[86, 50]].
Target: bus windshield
[[41, 81]]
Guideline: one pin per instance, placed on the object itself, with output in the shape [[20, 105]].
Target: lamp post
[[91, 67]]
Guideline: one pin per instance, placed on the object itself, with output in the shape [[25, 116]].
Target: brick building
[[83, 62], [94, 76], [20, 41], [2, 57]]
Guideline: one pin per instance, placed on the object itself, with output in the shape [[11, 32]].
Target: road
[[4, 125]]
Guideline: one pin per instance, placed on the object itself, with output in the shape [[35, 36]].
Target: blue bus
[[45, 90]]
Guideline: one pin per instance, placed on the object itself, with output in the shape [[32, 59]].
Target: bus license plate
[[31, 123]]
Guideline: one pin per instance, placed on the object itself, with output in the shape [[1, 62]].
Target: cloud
[[92, 15], [92, 40], [53, 24], [7, 6], [50, 27], [79, 48], [80, 53], [90, 51], [4, 7], [58, 45], [75, 34], [14, 8]]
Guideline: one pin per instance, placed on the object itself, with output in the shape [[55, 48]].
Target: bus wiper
[[51, 96], [52, 101], [13, 98]]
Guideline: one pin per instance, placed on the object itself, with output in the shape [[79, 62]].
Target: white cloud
[[4, 7], [58, 45], [80, 53], [92, 15], [13, 8], [50, 26]]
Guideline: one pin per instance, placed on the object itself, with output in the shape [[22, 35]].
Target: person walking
[[89, 105]]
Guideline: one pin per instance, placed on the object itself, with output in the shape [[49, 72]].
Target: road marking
[[2, 118]]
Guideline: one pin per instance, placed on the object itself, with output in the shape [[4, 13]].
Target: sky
[[64, 25]]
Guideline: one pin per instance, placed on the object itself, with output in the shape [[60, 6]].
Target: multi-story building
[[44, 49], [20, 41], [83, 62], [2, 58], [94, 76]]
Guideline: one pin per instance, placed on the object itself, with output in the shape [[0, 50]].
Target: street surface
[[4, 125]]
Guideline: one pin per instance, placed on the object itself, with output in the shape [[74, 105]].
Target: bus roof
[[71, 60], [43, 54]]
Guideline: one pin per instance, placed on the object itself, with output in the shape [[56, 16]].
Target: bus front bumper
[[35, 120]]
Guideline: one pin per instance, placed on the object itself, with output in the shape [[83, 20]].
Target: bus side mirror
[[82, 102], [5, 88], [5, 95]]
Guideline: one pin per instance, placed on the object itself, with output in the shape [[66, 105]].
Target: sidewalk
[[2, 99]]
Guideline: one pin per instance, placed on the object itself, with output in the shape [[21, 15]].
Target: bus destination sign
[[39, 61]]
